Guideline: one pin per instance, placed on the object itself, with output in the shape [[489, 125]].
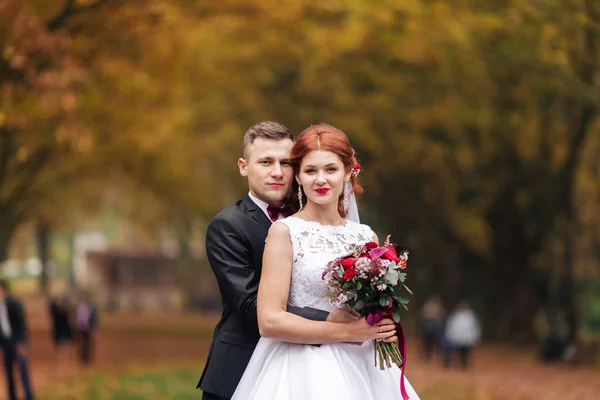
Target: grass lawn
[[175, 383], [134, 383]]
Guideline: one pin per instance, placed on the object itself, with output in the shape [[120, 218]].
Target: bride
[[284, 365]]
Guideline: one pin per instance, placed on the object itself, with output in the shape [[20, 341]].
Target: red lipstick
[[322, 190]]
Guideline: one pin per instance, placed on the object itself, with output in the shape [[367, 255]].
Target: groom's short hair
[[266, 130]]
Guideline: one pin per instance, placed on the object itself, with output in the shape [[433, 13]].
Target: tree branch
[[6, 150], [39, 161], [56, 21], [68, 10], [10, 74]]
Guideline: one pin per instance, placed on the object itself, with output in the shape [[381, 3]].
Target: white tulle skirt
[[341, 371]]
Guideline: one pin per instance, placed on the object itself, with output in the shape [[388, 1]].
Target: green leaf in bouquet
[[352, 294], [384, 301], [403, 300], [391, 277], [359, 305], [340, 271], [402, 276], [407, 289], [396, 316], [358, 285], [346, 285], [329, 264]]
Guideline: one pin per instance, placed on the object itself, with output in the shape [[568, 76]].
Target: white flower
[[339, 301], [362, 264]]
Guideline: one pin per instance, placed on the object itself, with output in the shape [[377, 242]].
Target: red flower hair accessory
[[356, 169]]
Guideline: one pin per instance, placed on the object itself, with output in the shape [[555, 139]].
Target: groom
[[235, 241]]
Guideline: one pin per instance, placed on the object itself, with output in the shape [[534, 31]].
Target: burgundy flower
[[390, 255], [391, 304], [378, 252]]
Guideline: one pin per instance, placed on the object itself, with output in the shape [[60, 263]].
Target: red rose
[[366, 255], [371, 245], [348, 262], [349, 274]]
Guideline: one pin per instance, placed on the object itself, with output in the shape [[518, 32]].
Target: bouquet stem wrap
[[390, 351]]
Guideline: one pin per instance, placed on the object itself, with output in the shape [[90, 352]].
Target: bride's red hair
[[326, 138]]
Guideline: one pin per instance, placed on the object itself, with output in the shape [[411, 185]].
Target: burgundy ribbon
[[374, 318]]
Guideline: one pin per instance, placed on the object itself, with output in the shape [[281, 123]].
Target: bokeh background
[[475, 121]]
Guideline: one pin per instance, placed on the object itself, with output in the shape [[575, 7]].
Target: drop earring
[[346, 195]]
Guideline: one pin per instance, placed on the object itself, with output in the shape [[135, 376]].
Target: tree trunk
[[511, 301], [512, 298], [7, 229], [5, 236], [568, 288], [42, 236]]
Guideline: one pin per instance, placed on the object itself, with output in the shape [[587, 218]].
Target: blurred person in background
[[87, 322], [13, 340], [555, 341], [432, 325], [61, 314], [462, 333]]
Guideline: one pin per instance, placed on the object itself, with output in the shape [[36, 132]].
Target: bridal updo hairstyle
[[326, 138]]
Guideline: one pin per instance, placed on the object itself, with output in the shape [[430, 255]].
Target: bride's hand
[[360, 331]]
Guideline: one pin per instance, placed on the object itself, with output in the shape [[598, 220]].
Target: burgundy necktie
[[274, 212]]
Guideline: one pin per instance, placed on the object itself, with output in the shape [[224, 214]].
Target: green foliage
[[476, 122], [136, 383], [392, 276]]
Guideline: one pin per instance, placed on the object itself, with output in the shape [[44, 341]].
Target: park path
[[499, 373]]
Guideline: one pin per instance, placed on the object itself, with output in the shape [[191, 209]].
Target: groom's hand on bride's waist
[[342, 316]]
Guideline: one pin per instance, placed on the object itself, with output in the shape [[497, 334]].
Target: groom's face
[[268, 168]]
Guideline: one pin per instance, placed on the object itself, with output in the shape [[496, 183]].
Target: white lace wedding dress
[[341, 371]]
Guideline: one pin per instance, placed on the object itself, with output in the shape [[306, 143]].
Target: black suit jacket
[[18, 325], [235, 241]]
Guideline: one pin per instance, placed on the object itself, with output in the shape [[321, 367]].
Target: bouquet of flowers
[[370, 282]]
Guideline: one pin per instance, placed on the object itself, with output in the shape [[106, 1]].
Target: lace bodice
[[314, 245]]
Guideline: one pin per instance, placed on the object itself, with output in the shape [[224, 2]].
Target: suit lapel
[[256, 213]]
